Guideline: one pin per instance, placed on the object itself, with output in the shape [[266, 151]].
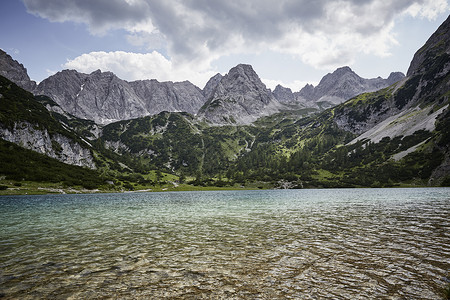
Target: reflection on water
[[306, 244]]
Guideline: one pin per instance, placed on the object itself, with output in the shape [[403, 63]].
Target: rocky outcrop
[[239, 98], [116, 146], [15, 72], [105, 98], [56, 146], [335, 88]]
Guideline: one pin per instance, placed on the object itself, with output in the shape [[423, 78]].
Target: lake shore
[[35, 188], [32, 188]]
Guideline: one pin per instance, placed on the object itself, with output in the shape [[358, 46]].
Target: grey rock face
[[307, 92], [239, 98], [168, 96], [15, 72], [344, 84], [394, 77], [283, 95], [210, 86], [101, 97], [336, 87], [105, 98], [25, 135]]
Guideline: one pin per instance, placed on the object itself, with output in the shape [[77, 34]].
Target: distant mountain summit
[[15, 71], [335, 88], [240, 97], [105, 98]]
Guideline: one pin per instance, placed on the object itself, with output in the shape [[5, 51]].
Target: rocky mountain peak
[[242, 81], [339, 75], [168, 96], [343, 70], [240, 97], [15, 71], [344, 84], [437, 44], [283, 94], [394, 77], [97, 72]]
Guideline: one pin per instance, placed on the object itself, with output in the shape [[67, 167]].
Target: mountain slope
[[177, 142], [26, 122], [399, 135], [20, 164], [211, 85], [426, 88]]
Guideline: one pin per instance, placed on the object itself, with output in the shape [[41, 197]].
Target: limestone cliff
[[56, 146], [105, 98]]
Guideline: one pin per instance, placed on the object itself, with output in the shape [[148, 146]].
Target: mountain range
[[335, 88], [104, 98], [345, 132]]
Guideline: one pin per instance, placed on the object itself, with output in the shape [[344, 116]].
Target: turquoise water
[[299, 244]]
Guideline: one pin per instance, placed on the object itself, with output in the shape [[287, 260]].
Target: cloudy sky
[[291, 42]]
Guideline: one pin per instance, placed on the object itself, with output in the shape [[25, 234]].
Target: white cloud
[[322, 33], [137, 66], [99, 15], [430, 9]]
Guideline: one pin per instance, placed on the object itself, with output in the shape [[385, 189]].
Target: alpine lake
[[265, 244]]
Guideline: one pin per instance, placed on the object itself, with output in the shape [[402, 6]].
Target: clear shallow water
[[301, 244]]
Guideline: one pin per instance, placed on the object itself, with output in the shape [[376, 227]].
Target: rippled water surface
[[302, 244]]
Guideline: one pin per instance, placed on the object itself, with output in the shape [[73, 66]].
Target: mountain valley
[[117, 135]]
